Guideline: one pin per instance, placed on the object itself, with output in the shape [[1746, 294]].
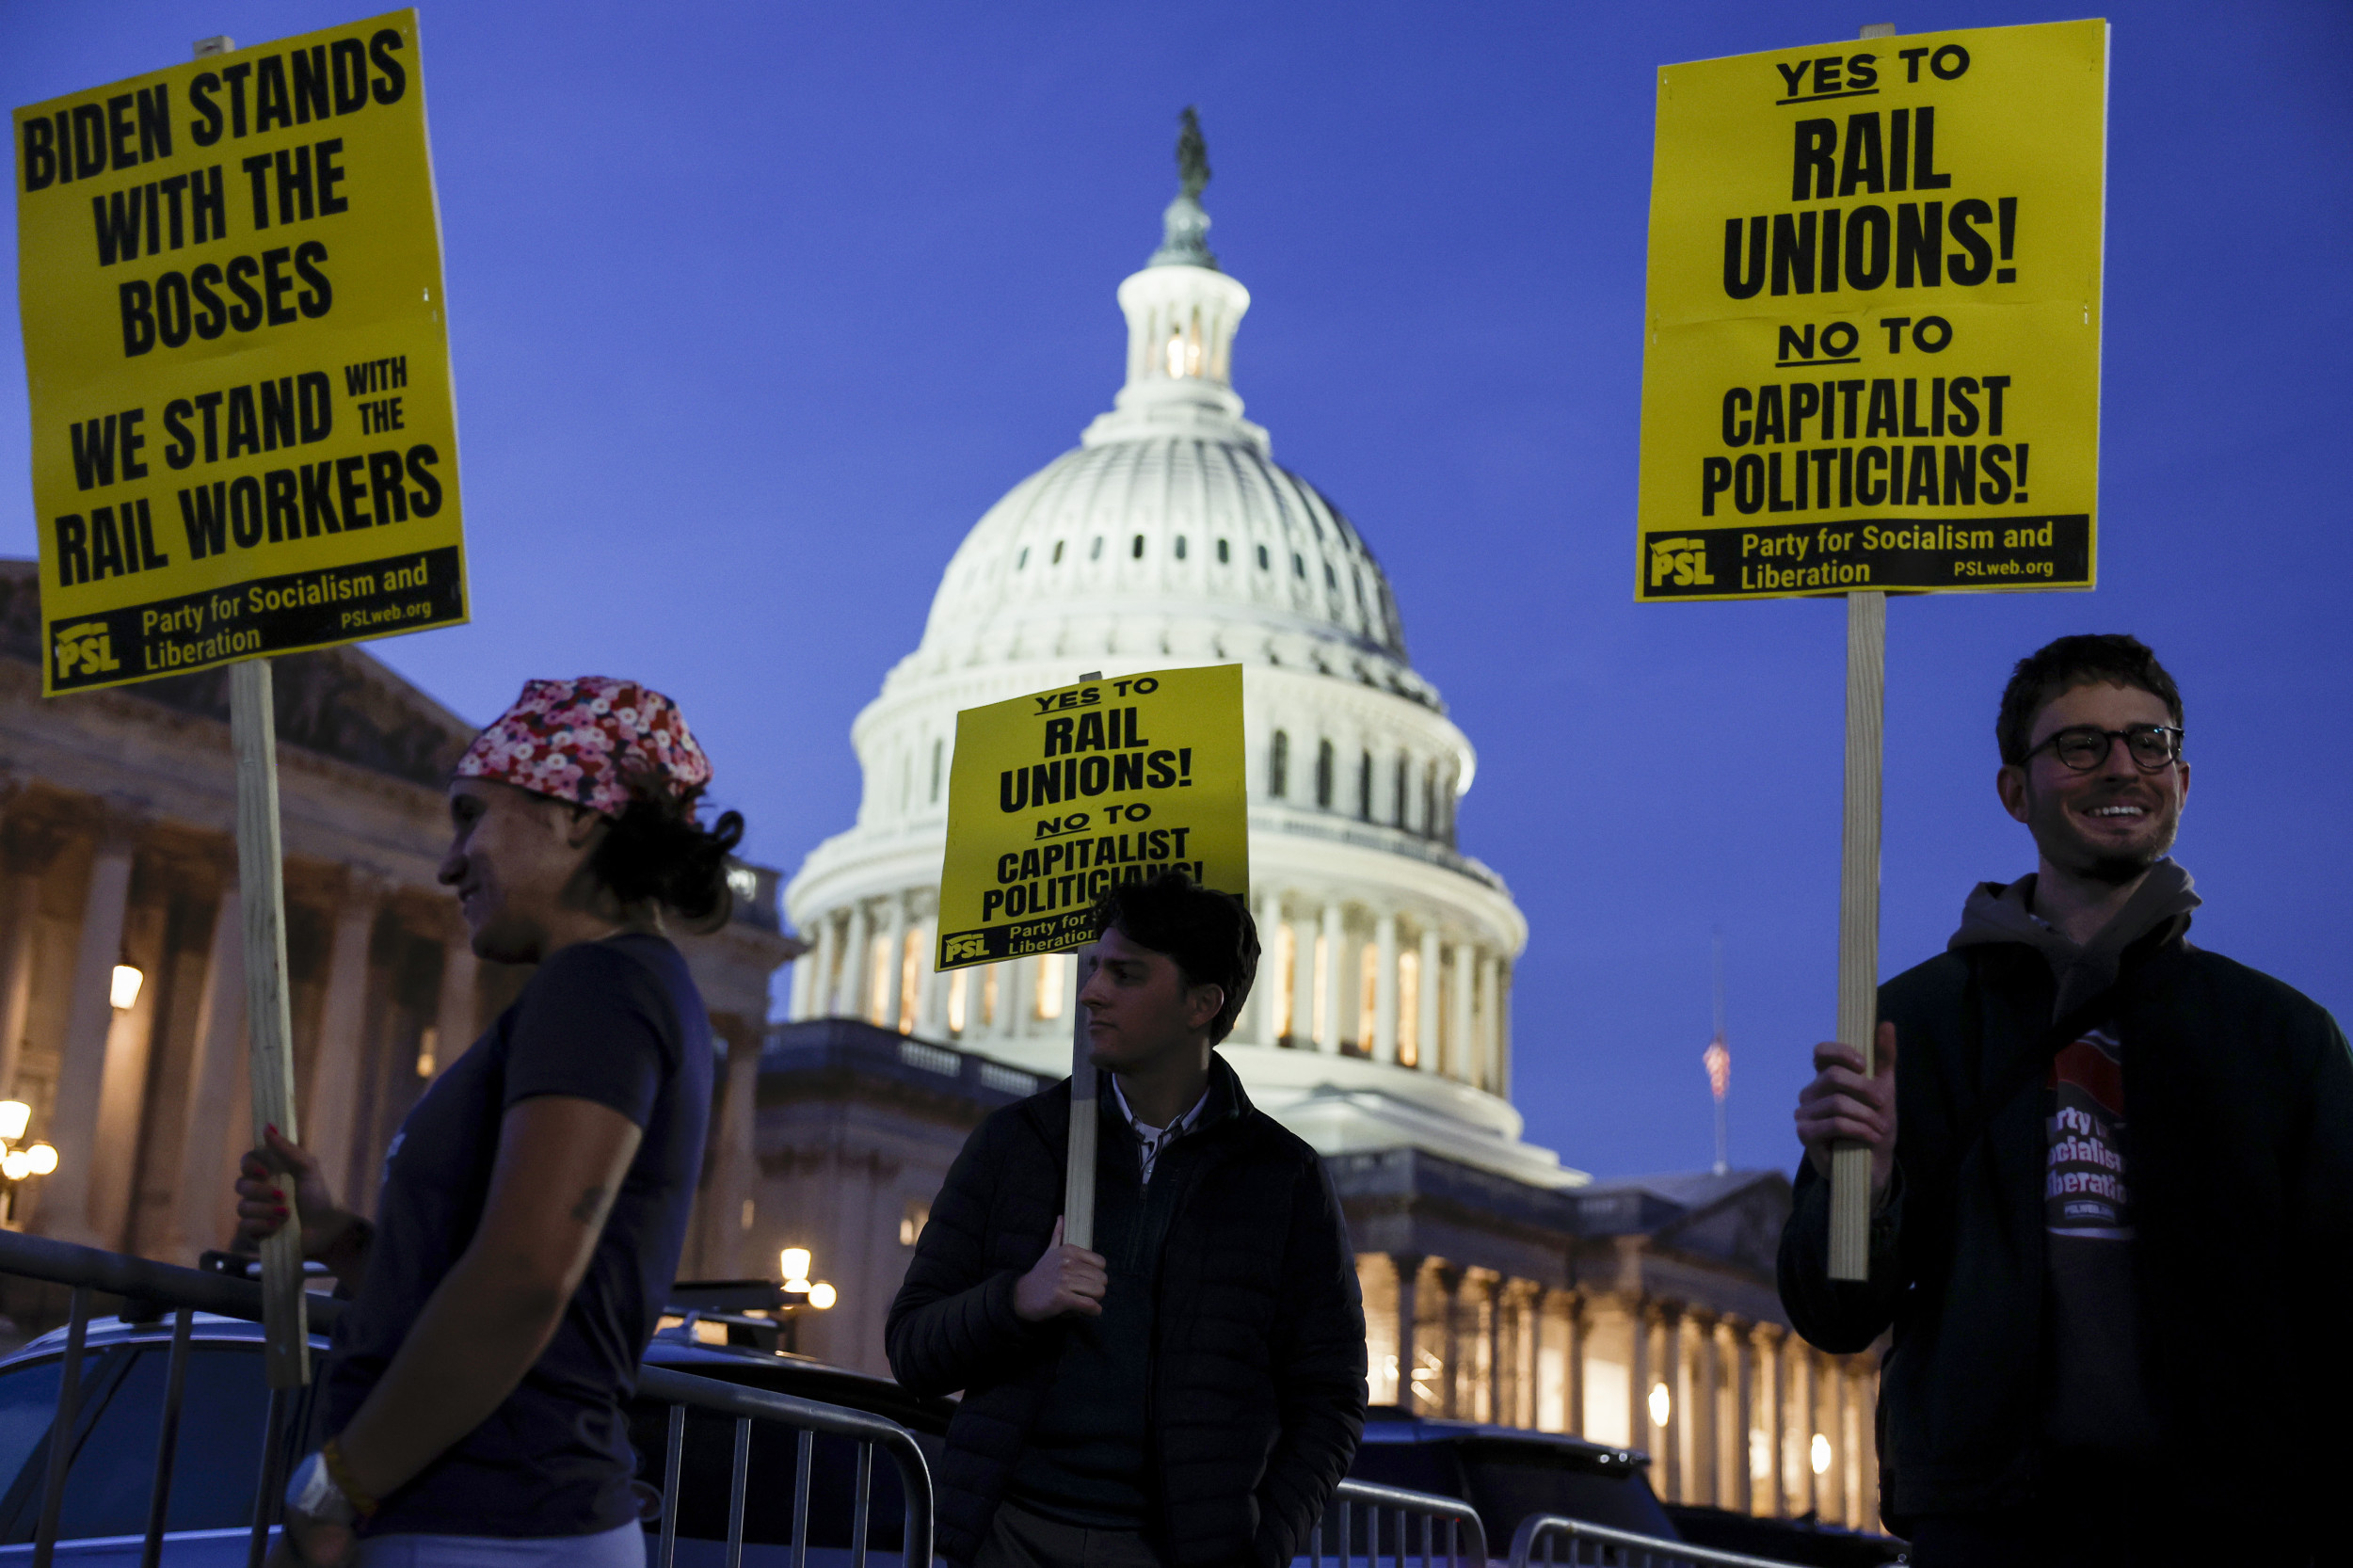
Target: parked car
[[1508, 1473], [225, 1417]]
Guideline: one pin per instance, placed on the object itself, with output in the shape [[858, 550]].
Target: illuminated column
[[1384, 988], [1728, 1352], [1798, 1418], [1572, 1355], [1303, 984], [1695, 1409], [842, 996], [1426, 1029], [1333, 958], [1666, 1445], [1490, 1022], [1503, 1029], [888, 976], [64, 1194], [330, 1113], [22, 897], [1769, 1489], [1449, 1381], [458, 1010], [1462, 1047], [1408, 1266], [933, 985], [1866, 1442], [1264, 1022], [204, 1209]]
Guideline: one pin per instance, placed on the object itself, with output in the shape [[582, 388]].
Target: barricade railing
[[1599, 1547], [88, 1272], [1377, 1524]]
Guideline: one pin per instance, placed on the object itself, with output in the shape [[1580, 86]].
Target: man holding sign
[[1191, 1390], [2117, 1232]]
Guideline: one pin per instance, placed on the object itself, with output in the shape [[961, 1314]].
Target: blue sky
[[755, 309]]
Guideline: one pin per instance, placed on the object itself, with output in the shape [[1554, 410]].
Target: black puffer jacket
[[2239, 1095], [1258, 1365]]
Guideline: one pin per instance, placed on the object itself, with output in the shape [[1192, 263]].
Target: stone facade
[[117, 822]]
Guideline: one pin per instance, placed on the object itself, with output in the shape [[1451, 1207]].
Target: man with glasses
[[2113, 1235]]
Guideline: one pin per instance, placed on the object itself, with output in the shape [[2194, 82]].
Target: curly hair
[[656, 849], [2107, 657]]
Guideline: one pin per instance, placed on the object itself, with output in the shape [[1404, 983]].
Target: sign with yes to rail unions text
[[1871, 356]]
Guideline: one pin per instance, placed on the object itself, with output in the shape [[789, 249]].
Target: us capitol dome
[[1169, 536]]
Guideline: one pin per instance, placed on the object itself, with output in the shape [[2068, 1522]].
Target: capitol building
[[1170, 537], [1500, 1285]]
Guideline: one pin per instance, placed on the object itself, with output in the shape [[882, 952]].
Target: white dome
[[1169, 538]]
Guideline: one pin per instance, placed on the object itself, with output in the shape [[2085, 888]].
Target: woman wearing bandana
[[535, 1203]]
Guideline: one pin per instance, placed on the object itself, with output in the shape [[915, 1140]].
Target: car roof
[[781, 1371], [1389, 1424]]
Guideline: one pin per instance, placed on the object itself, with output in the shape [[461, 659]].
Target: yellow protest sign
[[1058, 796], [230, 275], [1872, 347]]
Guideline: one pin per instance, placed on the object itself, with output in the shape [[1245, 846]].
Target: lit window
[[1662, 1406], [911, 1222], [1760, 1454], [1821, 1454], [428, 1050], [1053, 973]]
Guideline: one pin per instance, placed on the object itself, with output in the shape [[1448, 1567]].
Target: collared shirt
[[1155, 1139]]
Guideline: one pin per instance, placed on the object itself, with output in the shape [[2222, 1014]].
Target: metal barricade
[[1449, 1528], [1599, 1547], [182, 1293]]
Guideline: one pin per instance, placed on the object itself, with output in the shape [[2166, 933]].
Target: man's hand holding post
[[1064, 1279], [1841, 1105]]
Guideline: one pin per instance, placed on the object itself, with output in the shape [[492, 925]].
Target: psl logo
[[86, 647], [1683, 562], [970, 944]]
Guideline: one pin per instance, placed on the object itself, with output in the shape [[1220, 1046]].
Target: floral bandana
[[587, 742]]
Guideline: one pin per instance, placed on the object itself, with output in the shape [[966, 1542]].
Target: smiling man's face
[[2113, 822]]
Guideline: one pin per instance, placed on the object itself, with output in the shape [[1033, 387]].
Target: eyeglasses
[[2084, 748]]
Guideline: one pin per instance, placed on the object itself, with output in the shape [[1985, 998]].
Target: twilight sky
[[755, 309]]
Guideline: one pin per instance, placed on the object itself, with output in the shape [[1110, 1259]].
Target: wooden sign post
[[1871, 365], [262, 891]]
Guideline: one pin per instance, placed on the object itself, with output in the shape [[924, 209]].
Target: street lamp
[[123, 991], [15, 1117], [794, 1263]]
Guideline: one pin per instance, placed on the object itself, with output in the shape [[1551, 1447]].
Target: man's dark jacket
[[1258, 1380], [2239, 1099]]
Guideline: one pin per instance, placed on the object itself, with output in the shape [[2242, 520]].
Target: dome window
[[1021, 560], [1323, 774], [1135, 549], [1279, 765], [1263, 560], [1364, 782], [1223, 555], [1404, 790], [1094, 550], [935, 762], [1180, 547], [1058, 544], [1299, 566], [1331, 579]]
